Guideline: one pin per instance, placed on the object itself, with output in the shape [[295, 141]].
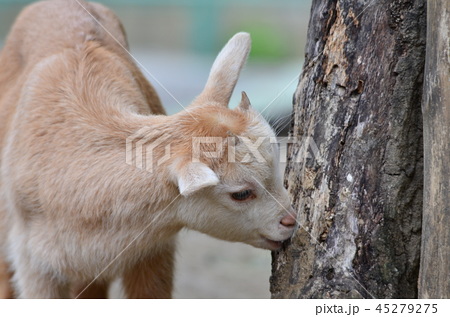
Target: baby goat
[[96, 180]]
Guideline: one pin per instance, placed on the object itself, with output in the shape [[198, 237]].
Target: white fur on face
[[254, 221]]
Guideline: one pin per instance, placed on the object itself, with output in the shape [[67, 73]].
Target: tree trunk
[[359, 194], [435, 261]]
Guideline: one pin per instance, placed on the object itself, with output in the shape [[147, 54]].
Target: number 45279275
[[407, 308]]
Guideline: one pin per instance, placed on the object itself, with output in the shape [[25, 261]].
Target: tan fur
[[71, 209]]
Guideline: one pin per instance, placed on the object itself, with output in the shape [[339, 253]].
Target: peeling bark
[[359, 198], [435, 261]]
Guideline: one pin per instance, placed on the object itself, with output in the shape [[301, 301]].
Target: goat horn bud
[[245, 102]]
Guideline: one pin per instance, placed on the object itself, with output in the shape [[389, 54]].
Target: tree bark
[[359, 193], [435, 261]]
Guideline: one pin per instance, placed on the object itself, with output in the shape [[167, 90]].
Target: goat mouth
[[272, 244]]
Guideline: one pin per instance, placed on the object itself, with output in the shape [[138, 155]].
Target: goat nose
[[288, 220]]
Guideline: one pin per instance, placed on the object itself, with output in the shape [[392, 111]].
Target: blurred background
[[175, 43]]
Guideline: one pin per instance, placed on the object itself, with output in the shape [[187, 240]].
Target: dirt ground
[[210, 268]]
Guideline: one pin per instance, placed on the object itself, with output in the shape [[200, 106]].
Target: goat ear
[[226, 69], [195, 176]]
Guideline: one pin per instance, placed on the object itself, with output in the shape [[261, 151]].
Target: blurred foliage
[[268, 41], [202, 26]]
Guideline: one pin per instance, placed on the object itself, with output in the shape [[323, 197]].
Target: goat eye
[[243, 195]]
